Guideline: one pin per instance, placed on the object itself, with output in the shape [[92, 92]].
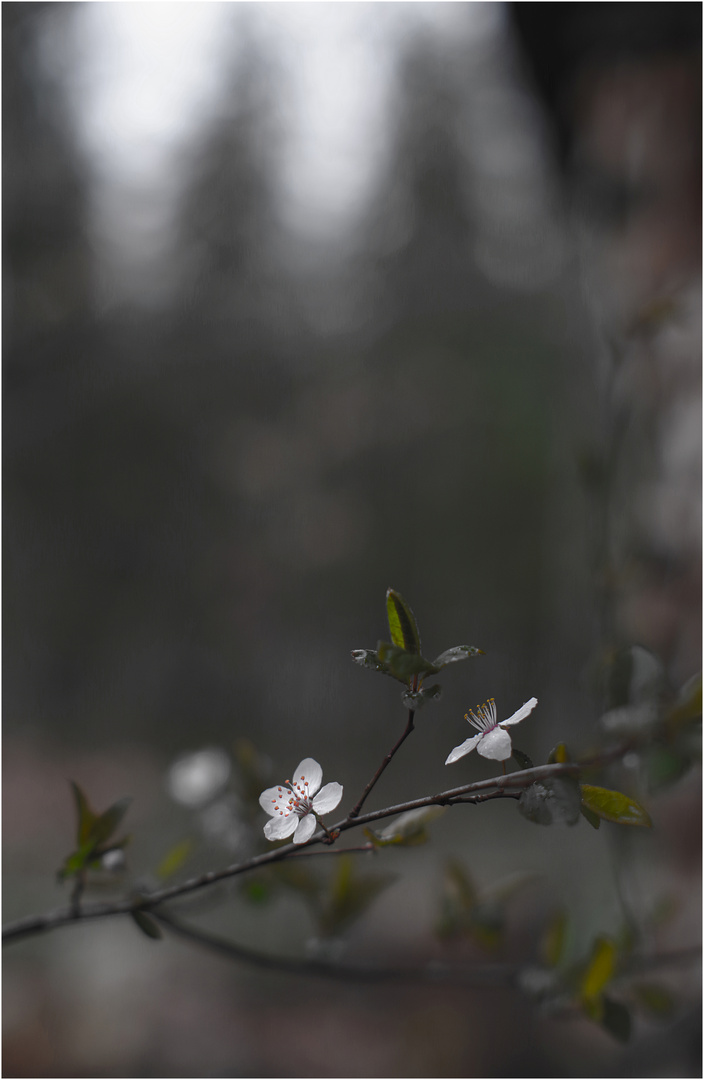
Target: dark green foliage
[[402, 624], [614, 806], [521, 759], [93, 831], [616, 1018], [401, 658], [147, 925], [348, 896], [554, 938], [466, 912], [407, 830], [552, 801], [655, 999]]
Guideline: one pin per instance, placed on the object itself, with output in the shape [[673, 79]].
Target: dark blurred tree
[[48, 354], [421, 225], [47, 258], [621, 88], [468, 373]]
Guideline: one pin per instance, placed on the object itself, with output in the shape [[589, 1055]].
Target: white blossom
[[492, 741], [293, 806]]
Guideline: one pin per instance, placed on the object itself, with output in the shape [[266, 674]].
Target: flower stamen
[[485, 717]]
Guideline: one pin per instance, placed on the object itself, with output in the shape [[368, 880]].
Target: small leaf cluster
[[334, 901], [597, 985], [641, 702], [561, 799], [402, 659], [407, 830], [93, 835], [468, 913]]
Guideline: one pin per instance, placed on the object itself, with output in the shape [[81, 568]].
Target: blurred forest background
[[392, 295]]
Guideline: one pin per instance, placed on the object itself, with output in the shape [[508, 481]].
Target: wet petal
[[495, 744], [521, 713], [269, 797], [306, 828], [280, 827], [327, 798], [462, 749], [311, 771]]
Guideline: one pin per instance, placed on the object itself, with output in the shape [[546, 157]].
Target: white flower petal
[[280, 827], [496, 744], [327, 798], [306, 828], [269, 797], [311, 771], [462, 749], [521, 713]]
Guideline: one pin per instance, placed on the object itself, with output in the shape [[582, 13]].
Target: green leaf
[[416, 699], [534, 804], [350, 895], [402, 623], [93, 832], [104, 826], [295, 875], [486, 924], [479, 917], [665, 765], [553, 943], [616, 1018], [459, 897], [86, 816], [368, 658], [634, 676], [688, 705], [457, 652], [558, 755], [174, 859], [654, 998], [593, 819], [256, 891], [566, 799], [460, 884], [521, 759], [552, 801], [599, 969], [614, 806], [147, 925], [403, 665], [409, 828], [76, 862]]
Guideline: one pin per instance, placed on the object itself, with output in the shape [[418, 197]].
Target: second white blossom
[[492, 741]]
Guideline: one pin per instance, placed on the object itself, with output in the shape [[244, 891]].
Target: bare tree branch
[[432, 972], [505, 786]]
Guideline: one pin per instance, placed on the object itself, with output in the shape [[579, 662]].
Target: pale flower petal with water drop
[[492, 741]]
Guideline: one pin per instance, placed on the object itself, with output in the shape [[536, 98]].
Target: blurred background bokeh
[[302, 301]]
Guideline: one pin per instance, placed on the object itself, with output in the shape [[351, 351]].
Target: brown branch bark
[[480, 791]]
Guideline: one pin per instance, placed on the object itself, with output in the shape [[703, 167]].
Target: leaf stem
[[354, 812]]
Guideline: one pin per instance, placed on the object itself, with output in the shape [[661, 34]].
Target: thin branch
[[363, 849], [497, 787], [354, 812], [485, 798], [432, 972]]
